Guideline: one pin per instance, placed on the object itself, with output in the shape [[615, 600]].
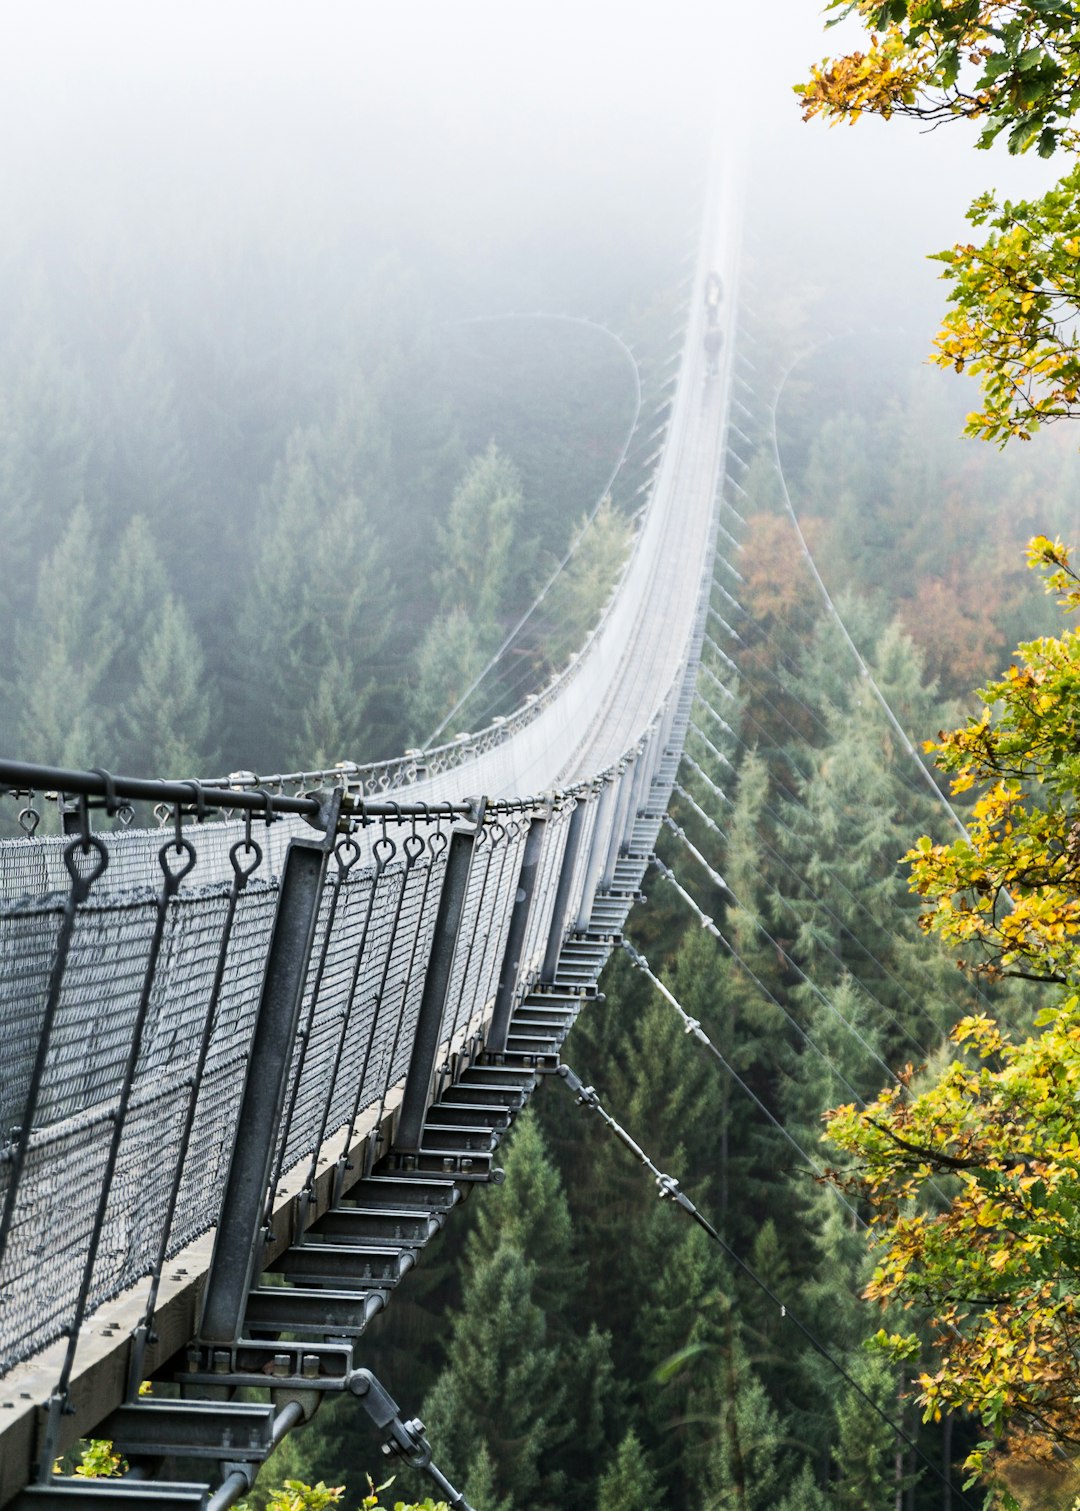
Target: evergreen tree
[[167, 717], [52, 413], [629, 1484], [447, 660], [151, 473], [502, 1388], [867, 1453], [483, 562], [529, 1213], [65, 655], [749, 1467], [316, 614]]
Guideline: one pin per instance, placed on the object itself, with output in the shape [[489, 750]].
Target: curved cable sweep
[[834, 612]]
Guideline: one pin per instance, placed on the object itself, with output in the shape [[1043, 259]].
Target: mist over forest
[[312, 369]]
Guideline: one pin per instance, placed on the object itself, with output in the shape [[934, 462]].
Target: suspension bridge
[[252, 1059]]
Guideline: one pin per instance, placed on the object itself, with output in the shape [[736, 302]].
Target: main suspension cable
[[668, 1189]]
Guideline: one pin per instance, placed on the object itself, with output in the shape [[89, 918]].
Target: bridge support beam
[[416, 1098], [510, 973], [258, 1127]]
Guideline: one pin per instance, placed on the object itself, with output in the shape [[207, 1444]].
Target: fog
[[576, 128], [238, 239]]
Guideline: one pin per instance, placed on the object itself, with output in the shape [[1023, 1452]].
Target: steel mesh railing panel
[[416, 967], [405, 968], [83, 1082], [206, 1158], [468, 933], [379, 999], [484, 931], [27, 947], [35, 868], [99, 997], [42, 1263], [137, 1207], [366, 1004]]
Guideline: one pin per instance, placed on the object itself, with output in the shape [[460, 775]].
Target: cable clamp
[[668, 1188]]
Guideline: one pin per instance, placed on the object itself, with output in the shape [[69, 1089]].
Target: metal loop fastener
[[347, 852], [383, 851], [246, 846], [173, 878], [199, 800], [29, 819], [84, 845]]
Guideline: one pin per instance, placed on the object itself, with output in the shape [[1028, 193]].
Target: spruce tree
[[65, 655], [165, 723], [502, 1388], [529, 1213], [483, 562], [315, 617], [447, 660], [629, 1484], [749, 1466]]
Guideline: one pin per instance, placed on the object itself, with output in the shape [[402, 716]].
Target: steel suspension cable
[[669, 1189], [786, 903], [710, 926], [837, 618], [783, 824], [694, 1029]]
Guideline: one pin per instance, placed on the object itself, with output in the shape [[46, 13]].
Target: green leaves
[[1001, 1122]]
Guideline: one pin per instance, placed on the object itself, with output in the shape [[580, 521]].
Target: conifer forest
[[279, 478]]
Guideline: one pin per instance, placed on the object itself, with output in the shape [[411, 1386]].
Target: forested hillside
[[578, 1343]]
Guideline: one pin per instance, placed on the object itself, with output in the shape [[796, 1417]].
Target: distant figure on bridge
[[714, 292]]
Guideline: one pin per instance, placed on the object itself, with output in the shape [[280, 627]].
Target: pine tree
[[629, 1484], [314, 619], [483, 562], [166, 718], [502, 1388]]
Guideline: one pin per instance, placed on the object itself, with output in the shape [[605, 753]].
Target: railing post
[[618, 825], [562, 891], [597, 854], [663, 749], [258, 1127], [515, 937], [418, 1081], [642, 777]]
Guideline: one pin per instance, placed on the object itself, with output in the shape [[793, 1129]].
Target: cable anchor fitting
[[404, 1440]]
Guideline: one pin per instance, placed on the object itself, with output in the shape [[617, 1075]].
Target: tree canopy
[[973, 1173], [1014, 68]]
